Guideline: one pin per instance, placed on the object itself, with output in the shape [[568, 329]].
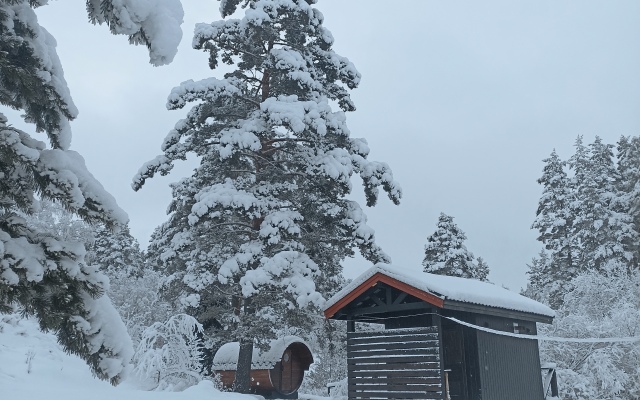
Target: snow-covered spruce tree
[[602, 226], [481, 270], [554, 222], [446, 254], [539, 283], [117, 253], [45, 276], [628, 186], [266, 213], [133, 283]]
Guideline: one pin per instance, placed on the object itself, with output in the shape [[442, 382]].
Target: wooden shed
[[442, 338], [275, 373]]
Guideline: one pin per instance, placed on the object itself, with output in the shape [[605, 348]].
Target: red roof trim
[[380, 277]]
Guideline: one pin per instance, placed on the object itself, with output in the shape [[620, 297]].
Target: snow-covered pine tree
[[540, 282], [628, 186], [446, 254], [117, 253], [603, 228], [266, 213], [554, 222], [133, 283], [41, 274], [481, 270]]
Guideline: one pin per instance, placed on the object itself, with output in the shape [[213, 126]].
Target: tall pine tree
[[603, 228], [265, 216], [628, 187], [446, 254], [554, 222], [41, 273], [586, 222]]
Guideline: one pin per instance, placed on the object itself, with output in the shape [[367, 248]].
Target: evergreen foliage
[[586, 220], [40, 272], [328, 341], [117, 253], [554, 222], [446, 254], [264, 221], [597, 305]]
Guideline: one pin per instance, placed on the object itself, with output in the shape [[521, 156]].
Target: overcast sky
[[462, 99]]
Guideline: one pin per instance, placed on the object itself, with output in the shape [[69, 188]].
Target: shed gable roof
[[445, 292]]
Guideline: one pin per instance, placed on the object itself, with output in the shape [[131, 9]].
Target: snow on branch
[[154, 23], [291, 270]]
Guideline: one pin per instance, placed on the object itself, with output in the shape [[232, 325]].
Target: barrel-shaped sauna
[[277, 372]]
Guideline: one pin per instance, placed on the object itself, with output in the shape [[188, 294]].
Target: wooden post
[[447, 395], [351, 325]]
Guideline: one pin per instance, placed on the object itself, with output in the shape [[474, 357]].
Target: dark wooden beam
[[377, 300], [389, 308], [351, 325], [373, 281], [400, 297]]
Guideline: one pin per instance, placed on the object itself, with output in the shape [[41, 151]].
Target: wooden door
[[287, 372]]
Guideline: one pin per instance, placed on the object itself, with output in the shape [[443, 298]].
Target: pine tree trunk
[[242, 382]]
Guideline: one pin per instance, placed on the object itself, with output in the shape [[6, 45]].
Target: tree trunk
[[242, 382]]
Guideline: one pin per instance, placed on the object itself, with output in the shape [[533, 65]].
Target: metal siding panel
[[509, 368]]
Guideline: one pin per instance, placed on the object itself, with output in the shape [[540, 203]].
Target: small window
[[517, 328]]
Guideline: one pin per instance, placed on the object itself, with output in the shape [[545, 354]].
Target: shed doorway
[[454, 361]]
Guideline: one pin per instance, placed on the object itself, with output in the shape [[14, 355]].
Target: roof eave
[[456, 305]]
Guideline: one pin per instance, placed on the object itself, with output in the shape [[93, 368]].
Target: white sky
[[462, 99]]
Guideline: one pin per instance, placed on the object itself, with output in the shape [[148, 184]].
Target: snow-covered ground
[[33, 366]]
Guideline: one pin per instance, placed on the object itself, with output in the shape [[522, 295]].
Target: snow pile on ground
[[33, 366]]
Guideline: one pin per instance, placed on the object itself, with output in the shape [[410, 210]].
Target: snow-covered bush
[[328, 341], [168, 356], [137, 300], [598, 305]]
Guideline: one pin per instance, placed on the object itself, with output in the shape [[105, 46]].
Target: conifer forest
[[275, 202]]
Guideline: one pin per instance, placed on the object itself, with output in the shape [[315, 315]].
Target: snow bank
[[33, 366]]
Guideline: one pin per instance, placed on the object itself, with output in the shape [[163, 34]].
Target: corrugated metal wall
[[509, 368]]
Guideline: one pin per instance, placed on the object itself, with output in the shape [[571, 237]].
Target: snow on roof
[[451, 288], [226, 358]]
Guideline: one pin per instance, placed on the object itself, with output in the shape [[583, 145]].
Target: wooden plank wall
[[394, 364]]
